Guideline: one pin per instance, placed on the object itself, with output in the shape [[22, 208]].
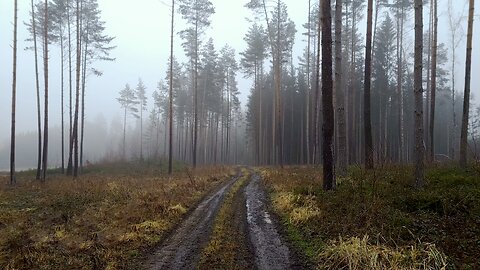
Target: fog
[[141, 30]]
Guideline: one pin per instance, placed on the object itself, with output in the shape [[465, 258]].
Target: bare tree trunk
[[278, 93], [170, 107], [62, 53], [327, 98], [195, 101], [466, 95], [419, 143], [124, 132], [434, 81], [401, 139], [70, 152], [84, 81], [37, 85], [13, 179], [45, 121], [307, 94], [429, 82], [342, 137], [316, 118], [77, 94], [367, 96]]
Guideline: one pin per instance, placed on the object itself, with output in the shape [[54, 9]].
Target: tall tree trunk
[[466, 95], [13, 179], [429, 82], [434, 81], [401, 139], [70, 87], [195, 101], [342, 137], [316, 118], [84, 82], [307, 94], [77, 91], [45, 121], [367, 97], [278, 93], [170, 105], [37, 85], [418, 117], [62, 53], [124, 133], [327, 97]]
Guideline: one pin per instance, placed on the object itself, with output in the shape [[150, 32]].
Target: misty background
[[141, 30]]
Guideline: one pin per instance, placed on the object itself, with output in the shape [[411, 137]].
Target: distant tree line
[[378, 94], [346, 100], [75, 26]]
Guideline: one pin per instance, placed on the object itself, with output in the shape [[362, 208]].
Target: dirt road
[[265, 247]]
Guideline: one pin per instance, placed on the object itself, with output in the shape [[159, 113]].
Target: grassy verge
[[104, 220], [227, 244], [375, 220]]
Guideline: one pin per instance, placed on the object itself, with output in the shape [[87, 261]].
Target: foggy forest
[[263, 134]]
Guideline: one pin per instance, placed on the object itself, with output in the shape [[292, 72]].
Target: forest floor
[[123, 216], [376, 220], [106, 219]]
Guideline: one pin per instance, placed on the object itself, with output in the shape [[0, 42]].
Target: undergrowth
[[103, 220], [376, 217]]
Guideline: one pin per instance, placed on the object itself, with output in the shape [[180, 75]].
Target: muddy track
[[260, 245], [269, 249], [183, 248]]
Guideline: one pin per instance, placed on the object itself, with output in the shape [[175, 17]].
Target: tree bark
[[13, 179], [434, 81], [62, 53], [367, 88], [327, 97], [84, 81], [195, 101], [316, 117], [342, 137], [278, 93], [466, 95], [418, 117], [170, 107], [37, 85], [307, 94], [45, 121], [77, 92], [70, 86]]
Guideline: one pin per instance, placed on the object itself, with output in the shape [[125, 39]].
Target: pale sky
[[142, 34]]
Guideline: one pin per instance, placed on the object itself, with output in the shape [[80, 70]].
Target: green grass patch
[[381, 210]]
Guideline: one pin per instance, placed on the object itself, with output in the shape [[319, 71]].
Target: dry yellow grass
[[100, 221]]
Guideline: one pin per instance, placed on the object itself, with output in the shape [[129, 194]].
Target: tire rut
[[270, 250], [182, 250]]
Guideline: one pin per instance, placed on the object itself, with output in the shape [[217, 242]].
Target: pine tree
[[466, 94], [418, 89], [197, 14], [45, 72], [170, 123], [140, 93], [13, 179], [128, 102], [327, 97], [367, 88]]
